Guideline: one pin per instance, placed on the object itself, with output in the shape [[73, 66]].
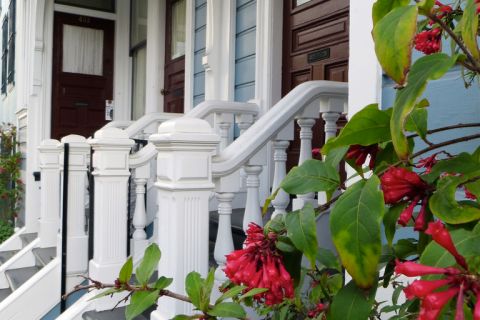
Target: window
[[8, 47], [138, 52]]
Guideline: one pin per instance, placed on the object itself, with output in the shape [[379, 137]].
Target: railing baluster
[[139, 221], [281, 201], [306, 136], [252, 205], [224, 242]]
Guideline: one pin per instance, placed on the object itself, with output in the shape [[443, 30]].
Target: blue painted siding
[[199, 51], [245, 29]]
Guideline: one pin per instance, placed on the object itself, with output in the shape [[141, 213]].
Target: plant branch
[[475, 64], [455, 126], [446, 143]]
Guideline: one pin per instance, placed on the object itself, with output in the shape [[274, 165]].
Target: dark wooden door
[[315, 47], [174, 85], [82, 74]]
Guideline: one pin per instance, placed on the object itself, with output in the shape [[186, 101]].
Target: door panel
[[315, 47], [174, 85], [82, 74]]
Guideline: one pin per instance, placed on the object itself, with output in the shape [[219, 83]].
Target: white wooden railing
[[196, 159]]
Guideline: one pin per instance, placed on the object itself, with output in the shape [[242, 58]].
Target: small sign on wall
[[109, 110]]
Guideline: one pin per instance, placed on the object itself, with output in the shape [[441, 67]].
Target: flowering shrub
[[282, 272], [11, 186]]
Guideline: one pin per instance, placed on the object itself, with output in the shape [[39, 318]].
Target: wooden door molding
[[78, 100]]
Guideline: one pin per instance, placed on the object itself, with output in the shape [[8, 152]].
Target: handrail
[[265, 128], [143, 156], [209, 107], [146, 120]]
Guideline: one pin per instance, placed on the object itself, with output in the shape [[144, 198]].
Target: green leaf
[[231, 293], [465, 241], [141, 301], [464, 163], [417, 122], [253, 292], [227, 310], [444, 205], [368, 126], [311, 176], [336, 155], [193, 287], [382, 7], [301, 229], [427, 68], [405, 248], [149, 264], [352, 303], [390, 221], [126, 271], [355, 226], [207, 289], [393, 36], [184, 317], [162, 283], [284, 244], [105, 293], [425, 6], [328, 259], [469, 27]]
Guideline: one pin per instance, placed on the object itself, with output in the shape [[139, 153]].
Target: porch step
[[5, 255], [115, 314], [44, 255], [17, 277], [4, 293], [27, 238]]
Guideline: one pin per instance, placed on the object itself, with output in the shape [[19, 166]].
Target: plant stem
[[446, 143], [455, 126]]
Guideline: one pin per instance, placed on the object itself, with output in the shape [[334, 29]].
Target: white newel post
[[111, 147], [184, 180], [281, 201], [77, 239], [139, 221], [253, 213], [306, 135], [49, 152]]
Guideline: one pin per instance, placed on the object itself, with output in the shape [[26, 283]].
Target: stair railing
[[188, 171]]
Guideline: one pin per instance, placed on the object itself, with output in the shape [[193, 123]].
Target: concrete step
[[115, 314], [27, 238], [4, 293], [5, 255], [17, 277], [44, 255]]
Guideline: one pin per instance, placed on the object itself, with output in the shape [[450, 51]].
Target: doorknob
[[164, 92]]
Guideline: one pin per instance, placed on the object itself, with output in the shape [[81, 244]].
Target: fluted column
[[282, 199]]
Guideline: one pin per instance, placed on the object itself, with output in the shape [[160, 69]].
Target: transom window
[[102, 5]]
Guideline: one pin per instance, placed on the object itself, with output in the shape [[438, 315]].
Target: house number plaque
[[318, 55]]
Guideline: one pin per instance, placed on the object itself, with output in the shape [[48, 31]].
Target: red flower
[[360, 153], [468, 194], [316, 151], [421, 288], [316, 311], [441, 236], [259, 265], [429, 41], [433, 303], [413, 269], [400, 183], [421, 220], [407, 213], [427, 163], [476, 311]]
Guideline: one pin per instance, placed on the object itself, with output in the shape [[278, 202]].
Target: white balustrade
[[253, 213], [49, 154], [185, 147], [77, 238], [224, 121], [224, 242], [139, 221], [282, 199], [111, 171]]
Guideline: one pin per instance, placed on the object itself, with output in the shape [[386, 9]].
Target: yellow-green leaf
[[393, 36], [383, 7], [469, 27], [427, 68], [355, 226]]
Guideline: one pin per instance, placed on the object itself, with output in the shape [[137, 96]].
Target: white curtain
[[82, 50], [178, 28]]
